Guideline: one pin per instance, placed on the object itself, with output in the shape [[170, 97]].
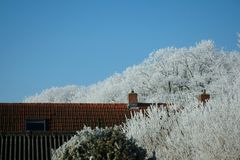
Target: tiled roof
[[62, 116]]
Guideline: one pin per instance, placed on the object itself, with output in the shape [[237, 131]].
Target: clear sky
[[58, 42]]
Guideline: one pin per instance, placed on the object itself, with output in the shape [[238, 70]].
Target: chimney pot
[[132, 98]]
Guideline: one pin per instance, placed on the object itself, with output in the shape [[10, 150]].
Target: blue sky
[[56, 43]]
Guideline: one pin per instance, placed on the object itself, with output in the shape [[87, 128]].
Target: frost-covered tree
[[164, 73], [65, 94]]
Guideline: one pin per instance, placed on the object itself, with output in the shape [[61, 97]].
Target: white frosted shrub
[[214, 129], [153, 128], [95, 144], [209, 131]]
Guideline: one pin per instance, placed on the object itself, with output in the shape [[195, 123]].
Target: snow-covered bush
[[212, 132], [198, 131], [152, 128], [95, 144]]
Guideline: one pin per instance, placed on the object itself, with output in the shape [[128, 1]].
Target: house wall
[[30, 146]]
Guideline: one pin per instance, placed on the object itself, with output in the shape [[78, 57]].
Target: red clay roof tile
[[61, 117]]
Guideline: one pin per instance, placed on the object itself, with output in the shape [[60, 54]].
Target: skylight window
[[36, 125]]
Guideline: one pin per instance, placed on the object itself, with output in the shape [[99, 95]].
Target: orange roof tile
[[65, 116], [61, 116]]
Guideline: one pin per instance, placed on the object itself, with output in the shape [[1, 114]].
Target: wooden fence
[[30, 146]]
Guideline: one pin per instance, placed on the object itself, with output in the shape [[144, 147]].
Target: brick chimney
[[204, 97], [132, 98]]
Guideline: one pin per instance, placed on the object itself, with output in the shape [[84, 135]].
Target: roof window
[[36, 125]]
